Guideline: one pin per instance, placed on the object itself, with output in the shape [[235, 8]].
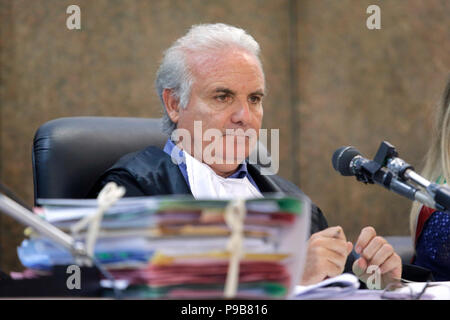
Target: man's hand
[[327, 253], [377, 252]]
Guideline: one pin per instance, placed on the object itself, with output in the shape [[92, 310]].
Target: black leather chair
[[70, 154]]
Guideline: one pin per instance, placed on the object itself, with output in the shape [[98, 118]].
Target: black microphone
[[348, 161]]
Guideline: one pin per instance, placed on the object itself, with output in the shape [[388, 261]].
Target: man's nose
[[241, 114]]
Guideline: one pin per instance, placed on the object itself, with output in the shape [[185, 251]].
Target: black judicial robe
[[151, 172]]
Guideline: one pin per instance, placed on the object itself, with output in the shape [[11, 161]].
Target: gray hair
[[174, 73]]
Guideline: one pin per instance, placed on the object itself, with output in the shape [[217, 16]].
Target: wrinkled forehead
[[226, 64]]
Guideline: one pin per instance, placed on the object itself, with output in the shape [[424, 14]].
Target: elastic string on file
[[107, 197], [234, 217]]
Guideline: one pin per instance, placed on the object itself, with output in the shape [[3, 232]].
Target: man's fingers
[[332, 263], [390, 267], [323, 261], [336, 245], [391, 264], [373, 247], [382, 254], [335, 258], [332, 232], [334, 269], [349, 247], [359, 267], [366, 235]]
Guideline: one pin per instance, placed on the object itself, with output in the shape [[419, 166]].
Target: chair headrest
[[70, 154]]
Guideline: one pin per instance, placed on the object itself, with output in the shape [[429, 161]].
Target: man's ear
[[172, 105]]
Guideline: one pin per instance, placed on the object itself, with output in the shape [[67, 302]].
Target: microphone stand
[[28, 218], [440, 194], [397, 175]]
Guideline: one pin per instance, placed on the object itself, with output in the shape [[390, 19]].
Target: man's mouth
[[236, 134]]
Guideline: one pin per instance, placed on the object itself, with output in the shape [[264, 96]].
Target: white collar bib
[[206, 184]]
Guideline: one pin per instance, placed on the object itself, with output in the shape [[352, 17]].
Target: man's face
[[226, 95]]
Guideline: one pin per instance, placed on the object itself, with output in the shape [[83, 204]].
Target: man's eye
[[255, 99], [223, 98]]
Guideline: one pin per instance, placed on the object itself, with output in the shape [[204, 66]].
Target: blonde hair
[[437, 160]]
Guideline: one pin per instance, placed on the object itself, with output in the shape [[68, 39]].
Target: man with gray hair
[[211, 84]]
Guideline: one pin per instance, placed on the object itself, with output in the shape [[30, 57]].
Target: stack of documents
[[178, 247]]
